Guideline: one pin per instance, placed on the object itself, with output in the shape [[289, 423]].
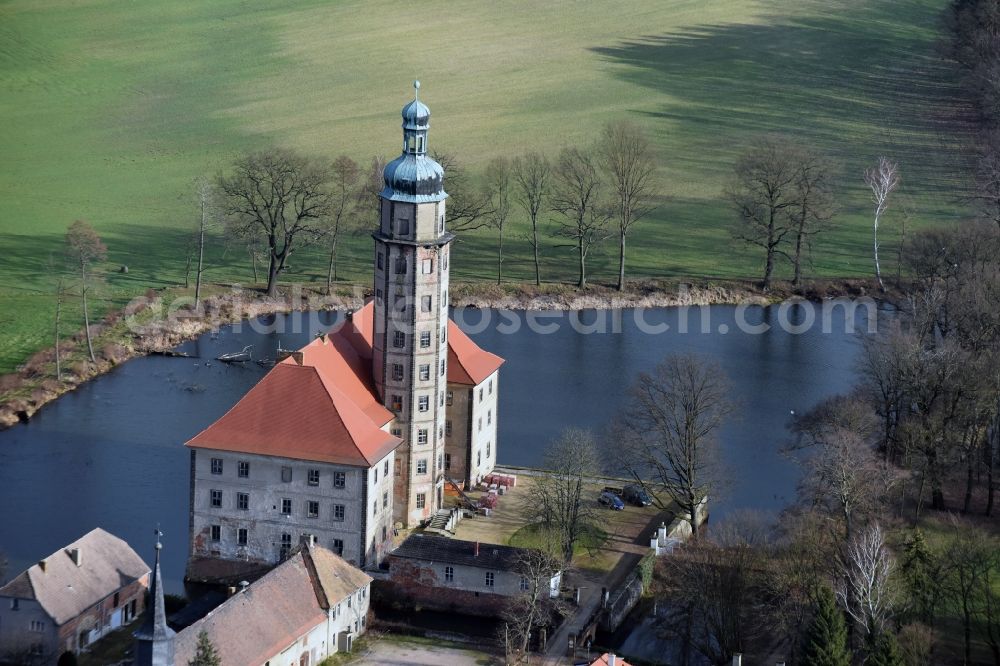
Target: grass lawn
[[111, 110]]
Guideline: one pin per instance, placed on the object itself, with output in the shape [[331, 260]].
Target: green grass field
[[110, 110]]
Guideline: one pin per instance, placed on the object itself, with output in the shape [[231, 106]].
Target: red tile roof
[[298, 412], [324, 406]]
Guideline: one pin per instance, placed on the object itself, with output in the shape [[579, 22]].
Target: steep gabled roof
[[64, 589], [257, 623], [337, 578], [468, 363], [297, 411]]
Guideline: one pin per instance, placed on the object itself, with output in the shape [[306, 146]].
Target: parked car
[[610, 500], [636, 495]]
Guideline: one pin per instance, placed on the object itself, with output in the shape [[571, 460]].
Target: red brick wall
[[100, 613]]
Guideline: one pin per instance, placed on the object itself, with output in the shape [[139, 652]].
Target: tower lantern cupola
[[413, 176]]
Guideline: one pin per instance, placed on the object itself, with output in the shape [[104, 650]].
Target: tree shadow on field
[[853, 81]]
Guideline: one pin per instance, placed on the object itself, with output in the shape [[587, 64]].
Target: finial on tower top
[[416, 89], [157, 533]]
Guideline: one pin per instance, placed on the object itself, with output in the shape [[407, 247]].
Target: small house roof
[[433, 548]]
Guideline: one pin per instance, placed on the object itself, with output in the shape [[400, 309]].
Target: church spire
[[154, 642]]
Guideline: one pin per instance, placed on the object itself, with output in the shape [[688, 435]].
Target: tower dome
[[413, 176]]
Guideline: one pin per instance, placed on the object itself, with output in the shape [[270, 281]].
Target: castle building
[[360, 428]]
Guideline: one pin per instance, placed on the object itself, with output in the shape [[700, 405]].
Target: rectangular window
[[399, 339], [385, 501], [385, 468], [427, 266], [524, 584], [425, 373], [286, 474], [216, 465], [216, 532], [422, 436], [451, 398], [338, 512], [489, 417], [243, 501], [378, 295], [286, 506], [449, 574], [243, 469], [440, 433], [488, 444], [489, 579], [400, 304], [491, 387], [425, 339], [312, 509], [115, 600], [480, 394], [374, 476], [447, 461], [242, 536], [442, 367], [397, 372], [38, 626], [286, 545], [400, 265], [447, 428], [375, 508], [338, 547], [479, 458], [314, 477], [425, 304], [217, 498], [422, 466], [480, 424], [339, 479], [397, 404], [421, 500], [444, 335], [403, 226], [441, 398], [423, 403], [379, 261]]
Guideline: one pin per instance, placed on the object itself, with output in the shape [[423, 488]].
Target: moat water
[[111, 453]]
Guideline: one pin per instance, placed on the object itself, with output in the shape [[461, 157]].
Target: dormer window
[[420, 144]]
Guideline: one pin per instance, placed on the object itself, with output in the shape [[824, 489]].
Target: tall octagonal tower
[[410, 344]]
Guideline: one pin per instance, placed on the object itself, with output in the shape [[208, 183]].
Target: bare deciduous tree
[[498, 186], [85, 247], [882, 179], [764, 192], [865, 589], [344, 205], [667, 432], [207, 197], [468, 204], [280, 197], [843, 475], [627, 157], [532, 175], [534, 606], [558, 500], [814, 206], [576, 197]]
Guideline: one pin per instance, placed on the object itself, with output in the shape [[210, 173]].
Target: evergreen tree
[[205, 654], [921, 574], [883, 650], [825, 641]]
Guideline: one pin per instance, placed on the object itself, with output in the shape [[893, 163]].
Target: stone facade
[[348, 509], [471, 430]]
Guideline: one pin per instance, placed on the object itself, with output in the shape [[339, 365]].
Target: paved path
[[590, 599], [402, 653]]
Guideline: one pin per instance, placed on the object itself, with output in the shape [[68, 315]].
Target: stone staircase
[[444, 522]]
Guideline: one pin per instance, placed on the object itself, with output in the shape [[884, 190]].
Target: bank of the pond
[[161, 320]]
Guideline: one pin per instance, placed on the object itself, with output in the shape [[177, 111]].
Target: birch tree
[[344, 203], [85, 247], [882, 179], [207, 197], [532, 178], [865, 589]]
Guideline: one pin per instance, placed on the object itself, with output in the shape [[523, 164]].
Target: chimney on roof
[[42, 564], [298, 356], [612, 659], [76, 555], [230, 591], [476, 551], [737, 659]]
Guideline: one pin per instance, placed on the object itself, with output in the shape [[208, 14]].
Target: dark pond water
[[110, 454]]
